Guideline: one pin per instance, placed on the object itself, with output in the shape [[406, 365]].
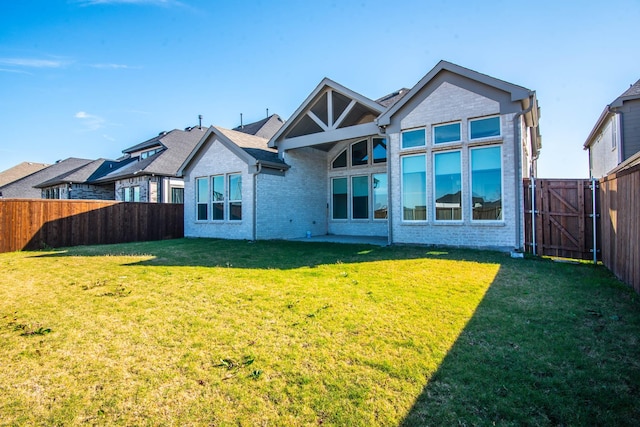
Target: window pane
[[217, 188], [446, 133], [136, 194], [201, 190], [177, 195], [414, 188], [379, 150], [448, 186], [235, 187], [484, 128], [217, 211], [380, 196], [340, 161], [359, 153], [486, 183], [413, 138], [126, 194], [235, 211], [339, 192], [360, 197], [202, 212]]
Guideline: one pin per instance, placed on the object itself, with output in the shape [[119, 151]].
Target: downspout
[[518, 179], [389, 198], [255, 201]]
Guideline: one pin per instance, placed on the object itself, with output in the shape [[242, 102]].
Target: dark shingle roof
[[24, 188], [253, 145], [20, 171], [390, 99], [264, 128], [178, 145], [87, 173], [634, 90]]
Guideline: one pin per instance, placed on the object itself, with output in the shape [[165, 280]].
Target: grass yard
[[210, 332]]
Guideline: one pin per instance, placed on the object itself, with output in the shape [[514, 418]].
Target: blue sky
[[89, 78]]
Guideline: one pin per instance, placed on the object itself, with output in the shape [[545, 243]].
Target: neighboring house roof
[[178, 145], [20, 171], [630, 94], [252, 149], [25, 188], [86, 174], [264, 128]]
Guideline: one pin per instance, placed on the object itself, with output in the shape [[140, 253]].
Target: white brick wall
[[218, 160], [290, 206], [451, 103]]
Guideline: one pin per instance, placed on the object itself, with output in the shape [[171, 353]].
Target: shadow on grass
[[273, 254], [548, 345]]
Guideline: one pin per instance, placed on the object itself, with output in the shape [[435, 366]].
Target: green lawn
[[211, 332]]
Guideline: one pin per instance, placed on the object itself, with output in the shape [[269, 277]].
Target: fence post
[[533, 215], [594, 217]]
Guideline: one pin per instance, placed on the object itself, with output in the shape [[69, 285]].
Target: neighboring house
[[79, 183], [152, 175], [264, 128], [616, 135], [441, 163], [20, 171], [25, 188]]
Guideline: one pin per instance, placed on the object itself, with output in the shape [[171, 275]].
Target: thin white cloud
[[33, 63], [90, 121], [7, 70], [142, 2], [114, 66]]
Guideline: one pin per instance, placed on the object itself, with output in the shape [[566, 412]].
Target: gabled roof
[[264, 128], [251, 149], [20, 171], [149, 143], [517, 92], [630, 94], [178, 145], [314, 96], [86, 174], [25, 188]]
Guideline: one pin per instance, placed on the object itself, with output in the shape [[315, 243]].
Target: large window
[[486, 183], [217, 197], [380, 196], [484, 128], [177, 195], [339, 198], [446, 133], [360, 197], [360, 153], [448, 186], [202, 199], [413, 138], [235, 197], [414, 188], [135, 193]]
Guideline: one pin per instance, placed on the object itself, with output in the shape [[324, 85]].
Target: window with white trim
[[380, 196], [235, 197], [486, 183], [339, 198], [414, 188], [414, 138], [217, 198], [446, 133], [447, 186], [360, 197], [485, 127], [202, 199]]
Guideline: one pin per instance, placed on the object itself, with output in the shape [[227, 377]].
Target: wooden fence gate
[[559, 218]]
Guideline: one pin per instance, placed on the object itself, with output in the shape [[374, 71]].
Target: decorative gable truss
[[331, 113]]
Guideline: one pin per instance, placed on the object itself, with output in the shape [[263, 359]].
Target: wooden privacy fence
[[620, 224], [559, 218], [36, 224]]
